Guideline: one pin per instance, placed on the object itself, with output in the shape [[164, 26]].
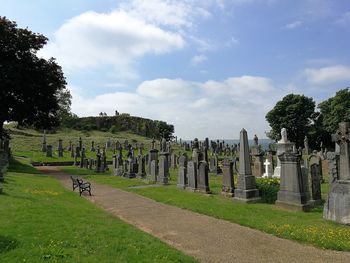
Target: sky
[[209, 67]]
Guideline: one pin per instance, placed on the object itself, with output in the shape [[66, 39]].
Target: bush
[[268, 188]]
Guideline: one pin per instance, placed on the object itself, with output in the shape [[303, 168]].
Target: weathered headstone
[[154, 170], [77, 152], [69, 146], [203, 177], [306, 146], [182, 172], [82, 158], [163, 175], [48, 150], [246, 189], [337, 206], [173, 162], [60, 148], [214, 164], [80, 144], [153, 155], [130, 167], [43, 144], [228, 187], [315, 168], [92, 149], [141, 173], [258, 165], [293, 193], [72, 151], [192, 176]]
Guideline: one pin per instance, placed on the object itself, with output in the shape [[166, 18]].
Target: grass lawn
[[43, 222], [303, 227]]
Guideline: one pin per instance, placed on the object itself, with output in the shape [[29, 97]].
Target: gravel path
[[206, 238]]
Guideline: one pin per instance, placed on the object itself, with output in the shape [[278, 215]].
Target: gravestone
[[48, 150], [283, 145], [82, 158], [258, 165], [98, 162], [337, 206], [92, 149], [163, 174], [130, 168], [72, 154], [228, 187], [192, 176], [152, 156], [182, 172], [246, 189], [173, 162], [108, 144], [203, 178], [315, 168], [214, 164], [141, 173], [267, 173], [293, 193], [60, 148], [77, 152], [306, 150], [126, 145], [69, 146], [154, 171], [43, 144], [80, 144]]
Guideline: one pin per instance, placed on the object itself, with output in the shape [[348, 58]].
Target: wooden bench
[[83, 186]]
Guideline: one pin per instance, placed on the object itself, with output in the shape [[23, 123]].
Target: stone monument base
[[292, 201], [129, 175], [337, 205], [163, 180], [293, 207], [246, 190]]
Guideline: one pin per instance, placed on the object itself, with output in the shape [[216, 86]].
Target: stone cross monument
[[337, 206]]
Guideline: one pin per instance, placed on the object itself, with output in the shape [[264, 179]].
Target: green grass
[[308, 227], [43, 222]]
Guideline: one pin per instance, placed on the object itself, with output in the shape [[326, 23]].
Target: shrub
[[268, 188]]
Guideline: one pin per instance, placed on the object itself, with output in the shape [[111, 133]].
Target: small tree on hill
[[32, 89], [295, 113]]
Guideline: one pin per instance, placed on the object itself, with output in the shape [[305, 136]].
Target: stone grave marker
[[246, 188], [337, 206], [192, 175]]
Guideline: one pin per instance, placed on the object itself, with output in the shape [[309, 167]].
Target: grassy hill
[[27, 142]]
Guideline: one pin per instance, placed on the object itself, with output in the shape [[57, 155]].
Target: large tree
[[295, 113], [334, 110], [32, 89]]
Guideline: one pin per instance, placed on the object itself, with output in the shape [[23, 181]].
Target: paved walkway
[[206, 238]]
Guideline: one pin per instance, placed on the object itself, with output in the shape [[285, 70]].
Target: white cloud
[[165, 88], [168, 13], [92, 40], [218, 109], [198, 59], [327, 75], [344, 20], [294, 25]]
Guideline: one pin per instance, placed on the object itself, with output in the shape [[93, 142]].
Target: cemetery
[[125, 188]]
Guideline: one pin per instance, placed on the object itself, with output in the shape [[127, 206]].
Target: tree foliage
[[334, 110], [32, 89], [294, 112]]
